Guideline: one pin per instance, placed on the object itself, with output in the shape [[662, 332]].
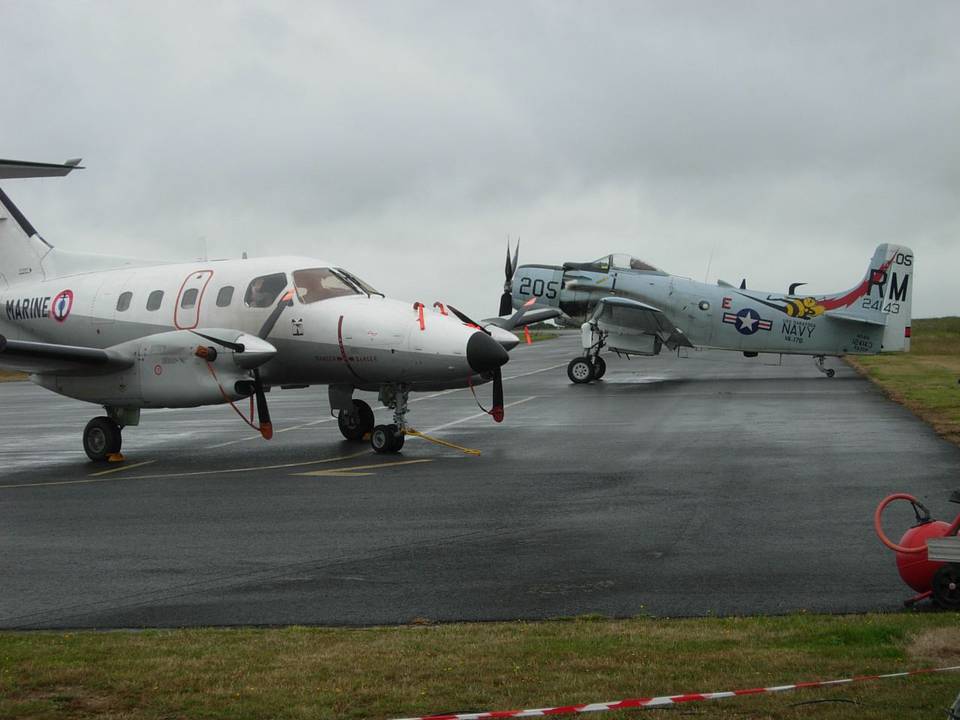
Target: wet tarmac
[[707, 484]]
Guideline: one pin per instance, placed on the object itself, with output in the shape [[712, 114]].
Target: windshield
[[318, 284], [365, 287]]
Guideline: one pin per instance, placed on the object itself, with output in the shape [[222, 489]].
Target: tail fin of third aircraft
[[883, 297], [21, 248]]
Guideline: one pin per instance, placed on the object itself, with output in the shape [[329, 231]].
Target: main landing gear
[[102, 437], [829, 372], [359, 423], [591, 366]]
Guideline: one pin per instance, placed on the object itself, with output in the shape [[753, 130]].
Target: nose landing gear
[[390, 438]]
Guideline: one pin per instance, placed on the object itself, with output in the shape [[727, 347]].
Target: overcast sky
[[406, 140]]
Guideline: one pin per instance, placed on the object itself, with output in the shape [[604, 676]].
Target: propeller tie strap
[[264, 430], [438, 441], [496, 412]]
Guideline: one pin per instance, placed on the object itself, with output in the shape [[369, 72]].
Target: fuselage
[[337, 330], [711, 316]]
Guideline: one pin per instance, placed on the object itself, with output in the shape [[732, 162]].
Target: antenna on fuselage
[[743, 284]]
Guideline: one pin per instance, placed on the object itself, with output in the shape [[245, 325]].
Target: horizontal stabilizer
[[856, 318], [20, 169], [38, 357]]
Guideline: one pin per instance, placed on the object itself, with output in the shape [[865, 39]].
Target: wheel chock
[[115, 457]]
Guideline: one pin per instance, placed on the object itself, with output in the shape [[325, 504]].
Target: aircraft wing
[[526, 315], [39, 357], [625, 319]]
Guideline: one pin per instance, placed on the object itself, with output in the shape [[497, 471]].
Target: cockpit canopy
[[310, 285], [615, 261]]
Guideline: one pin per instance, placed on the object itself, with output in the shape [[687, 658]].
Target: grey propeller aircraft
[[630, 307], [129, 334]]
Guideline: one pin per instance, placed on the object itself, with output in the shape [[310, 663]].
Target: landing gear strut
[[102, 438], [354, 425], [390, 438], [829, 372], [591, 366]]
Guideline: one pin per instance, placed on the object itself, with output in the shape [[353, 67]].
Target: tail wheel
[[830, 372], [599, 367], [946, 587], [354, 426], [101, 439], [580, 370]]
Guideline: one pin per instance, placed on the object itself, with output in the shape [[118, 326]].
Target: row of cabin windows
[[187, 301], [310, 285], [261, 293]]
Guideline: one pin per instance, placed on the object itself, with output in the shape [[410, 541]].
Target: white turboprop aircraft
[[128, 334]]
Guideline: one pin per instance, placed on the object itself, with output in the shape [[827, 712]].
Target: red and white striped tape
[[651, 702]]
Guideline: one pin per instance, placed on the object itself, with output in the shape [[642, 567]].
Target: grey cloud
[[784, 138]]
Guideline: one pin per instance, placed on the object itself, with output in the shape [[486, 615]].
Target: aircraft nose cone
[[484, 353]]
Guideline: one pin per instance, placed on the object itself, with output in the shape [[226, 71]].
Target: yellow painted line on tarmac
[[96, 479], [121, 468], [353, 471], [222, 471]]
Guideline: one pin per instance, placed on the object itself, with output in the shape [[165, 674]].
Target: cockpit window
[[366, 287], [263, 290], [321, 284], [623, 261], [602, 264]]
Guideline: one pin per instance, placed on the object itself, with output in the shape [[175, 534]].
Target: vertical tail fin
[[21, 247], [883, 297]]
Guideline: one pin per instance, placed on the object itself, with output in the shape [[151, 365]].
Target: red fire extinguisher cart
[[928, 554]]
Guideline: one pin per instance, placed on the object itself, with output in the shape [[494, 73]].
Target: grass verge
[[410, 670], [925, 379], [8, 375]]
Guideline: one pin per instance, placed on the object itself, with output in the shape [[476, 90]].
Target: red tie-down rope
[[418, 306], [441, 307], [264, 430]]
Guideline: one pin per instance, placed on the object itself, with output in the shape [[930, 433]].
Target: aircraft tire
[[944, 595], [831, 372], [580, 370], [599, 367], [101, 439], [383, 439], [398, 438], [355, 429]]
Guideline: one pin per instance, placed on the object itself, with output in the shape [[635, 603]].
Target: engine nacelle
[[168, 372]]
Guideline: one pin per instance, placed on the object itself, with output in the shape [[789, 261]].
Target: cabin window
[[123, 302], [263, 290], [320, 284], [225, 296], [189, 298], [154, 300]]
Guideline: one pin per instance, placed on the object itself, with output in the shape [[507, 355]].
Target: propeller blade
[[516, 258], [285, 302], [497, 410], [463, 318], [506, 304], [236, 347], [508, 269], [263, 412]]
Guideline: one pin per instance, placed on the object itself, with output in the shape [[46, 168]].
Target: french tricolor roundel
[[62, 305]]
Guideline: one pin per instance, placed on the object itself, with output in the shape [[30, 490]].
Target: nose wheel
[[387, 439], [390, 438], [101, 439]]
